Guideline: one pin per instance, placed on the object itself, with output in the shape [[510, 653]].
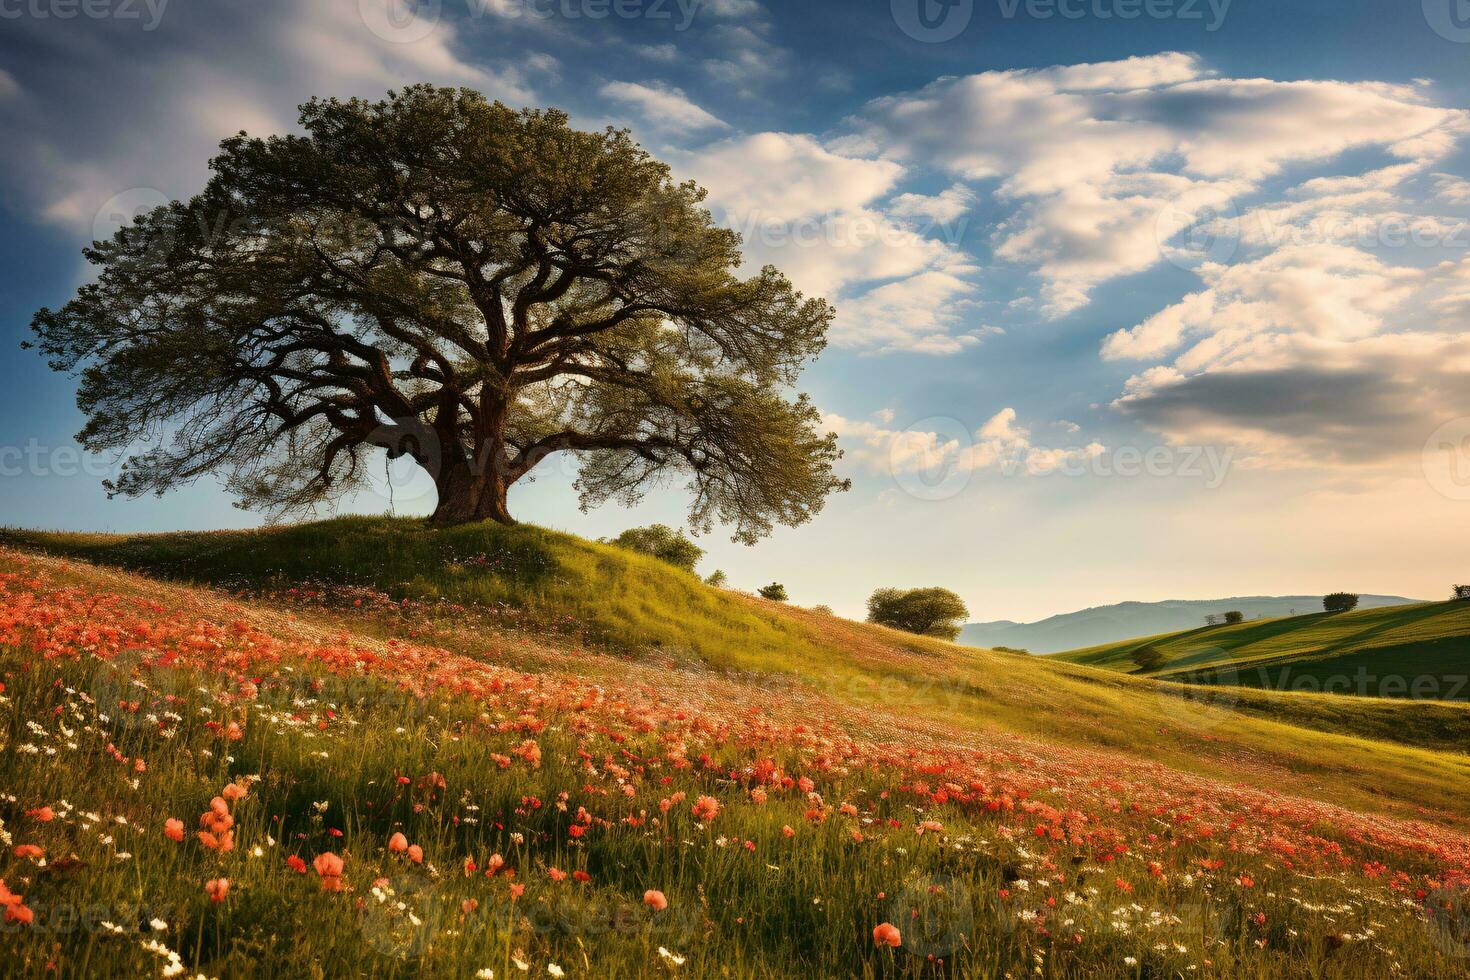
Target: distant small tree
[[1234, 616], [1339, 602], [1148, 657], [1213, 619], [717, 578], [1011, 650], [1460, 591], [823, 610], [776, 592], [928, 612], [663, 543]]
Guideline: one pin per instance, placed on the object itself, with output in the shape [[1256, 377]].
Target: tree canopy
[[473, 286], [928, 612]]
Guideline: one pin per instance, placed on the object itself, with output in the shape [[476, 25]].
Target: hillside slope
[[473, 588], [1419, 651], [781, 817], [1124, 620]]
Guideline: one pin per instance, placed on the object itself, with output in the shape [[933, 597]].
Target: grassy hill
[[1418, 651], [567, 705]]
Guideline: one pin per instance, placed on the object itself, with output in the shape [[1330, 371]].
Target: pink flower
[[655, 900]]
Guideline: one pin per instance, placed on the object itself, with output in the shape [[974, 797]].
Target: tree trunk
[[466, 496]]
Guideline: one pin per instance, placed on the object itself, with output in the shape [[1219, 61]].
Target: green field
[[1420, 652], [562, 705]]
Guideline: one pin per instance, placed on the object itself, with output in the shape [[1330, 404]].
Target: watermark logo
[[401, 916], [1197, 227], [1447, 916], [1446, 459], [935, 914], [932, 21], [400, 21], [1202, 698], [1450, 19], [127, 688]]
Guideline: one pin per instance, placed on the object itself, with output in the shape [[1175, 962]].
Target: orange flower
[[42, 813], [295, 863], [173, 829], [788, 831], [493, 865], [516, 890], [415, 854], [655, 900], [706, 808], [397, 843], [556, 874], [235, 791], [887, 934], [28, 851], [217, 889], [328, 865]]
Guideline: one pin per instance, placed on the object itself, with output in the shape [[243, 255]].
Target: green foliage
[[927, 612], [717, 579], [1234, 616], [663, 543], [1148, 658], [1336, 602], [776, 592], [821, 609], [453, 280]]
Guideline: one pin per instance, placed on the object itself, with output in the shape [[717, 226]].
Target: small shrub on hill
[[928, 612], [1148, 657], [663, 543], [1339, 602]]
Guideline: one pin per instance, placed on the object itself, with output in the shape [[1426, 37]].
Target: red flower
[[217, 889], [173, 829], [655, 900], [887, 934]]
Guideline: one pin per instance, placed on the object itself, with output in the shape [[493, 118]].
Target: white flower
[[485, 973], [555, 970]]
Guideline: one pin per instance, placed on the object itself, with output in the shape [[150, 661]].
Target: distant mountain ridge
[[1124, 620]]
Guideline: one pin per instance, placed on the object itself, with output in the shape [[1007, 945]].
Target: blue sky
[[1137, 300]]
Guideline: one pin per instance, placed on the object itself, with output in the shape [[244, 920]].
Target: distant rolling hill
[[1419, 651], [1109, 624]]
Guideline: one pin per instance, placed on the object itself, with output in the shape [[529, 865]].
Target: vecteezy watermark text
[[150, 12], [935, 21]]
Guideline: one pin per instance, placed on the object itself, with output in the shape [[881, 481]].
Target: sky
[[1136, 299]]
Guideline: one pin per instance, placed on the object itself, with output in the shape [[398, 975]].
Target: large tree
[[448, 278]]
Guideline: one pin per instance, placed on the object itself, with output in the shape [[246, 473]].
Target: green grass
[[1419, 651], [558, 591], [327, 750], [594, 592]]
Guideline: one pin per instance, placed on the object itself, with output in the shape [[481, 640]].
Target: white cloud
[[946, 206], [1090, 156], [1000, 444], [209, 70], [1319, 356], [815, 214], [662, 108]]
